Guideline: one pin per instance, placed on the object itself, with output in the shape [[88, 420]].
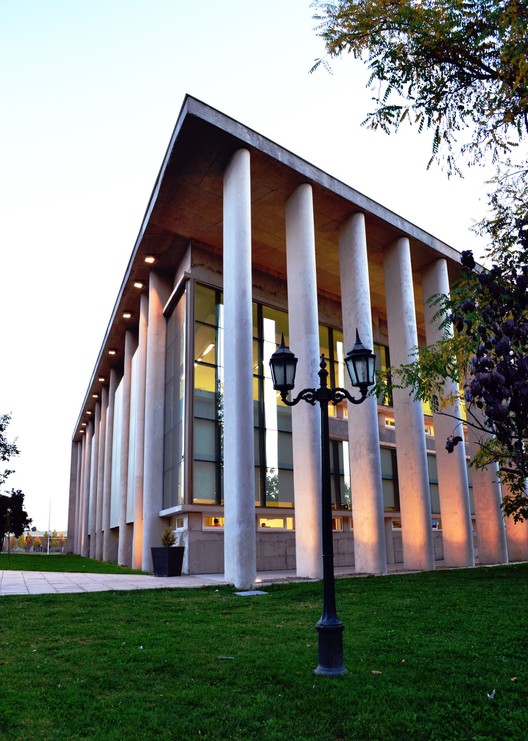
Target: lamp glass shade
[[360, 363], [283, 365]]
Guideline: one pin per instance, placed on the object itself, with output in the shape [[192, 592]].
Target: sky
[[90, 91]]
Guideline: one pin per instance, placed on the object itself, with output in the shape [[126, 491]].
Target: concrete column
[[159, 292], [363, 433], [137, 541], [457, 530], [125, 532], [415, 500], [516, 536], [85, 542], [93, 477], [239, 457], [100, 477], [303, 325], [109, 538], [491, 533], [79, 500], [389, 541], [75, 465]]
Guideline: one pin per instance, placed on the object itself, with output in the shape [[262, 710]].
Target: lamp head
[[283, 365], [360, 363]]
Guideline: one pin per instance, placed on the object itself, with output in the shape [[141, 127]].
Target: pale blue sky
[[90, 92]]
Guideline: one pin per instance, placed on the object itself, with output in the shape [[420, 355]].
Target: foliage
[[444, 65], [168, 538], [459, 68], [13, 517], [208, 664], [8, 449]]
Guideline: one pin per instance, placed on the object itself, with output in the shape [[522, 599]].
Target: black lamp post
[[360, 365]]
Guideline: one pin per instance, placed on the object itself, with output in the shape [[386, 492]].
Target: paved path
[[48, 582]]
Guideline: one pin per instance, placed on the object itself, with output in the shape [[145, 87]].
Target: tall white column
[[159, 292], [93, 477], [489, 520], [140, 435], [363, 434], [239, 456], [100, 477], [75, 466], [77, 545], [109, 538], [85, 542], [303, 323], [413, 477], [516, 536], [457, 531], [125, 534]]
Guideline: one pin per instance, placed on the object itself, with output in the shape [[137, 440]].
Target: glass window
[[382, 364], [276, 523], [174, 439], [204, 304], [208, 398], [204, 483], [389, 475], [433, 484], [215, 522]]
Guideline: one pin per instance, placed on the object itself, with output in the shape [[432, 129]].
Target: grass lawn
[[424, 651], [59, 562]]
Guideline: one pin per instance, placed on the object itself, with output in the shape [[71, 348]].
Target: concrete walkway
[[50, 582]]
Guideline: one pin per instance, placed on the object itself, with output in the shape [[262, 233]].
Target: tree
[[7, 449], [459, 68], [446, 65], [13, 518]]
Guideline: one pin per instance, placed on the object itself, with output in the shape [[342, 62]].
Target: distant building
[[180, 426]]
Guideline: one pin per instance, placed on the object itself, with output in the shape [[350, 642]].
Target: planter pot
[[167, 561]]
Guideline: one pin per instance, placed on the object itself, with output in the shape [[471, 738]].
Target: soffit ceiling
[[186, 205]]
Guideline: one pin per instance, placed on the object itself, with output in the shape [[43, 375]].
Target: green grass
[[59, 562], [423, 652]]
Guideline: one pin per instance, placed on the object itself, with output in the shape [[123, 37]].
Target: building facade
[[180, 426]]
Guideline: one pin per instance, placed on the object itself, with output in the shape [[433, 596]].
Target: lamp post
[[360, 365]]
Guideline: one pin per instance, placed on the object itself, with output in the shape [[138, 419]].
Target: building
[[180, 426]]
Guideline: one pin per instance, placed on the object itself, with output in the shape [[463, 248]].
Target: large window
[[340, 474], [272, 418], [208, 396], [174, 453], [389, 475]]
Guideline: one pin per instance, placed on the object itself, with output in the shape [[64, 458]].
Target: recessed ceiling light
[[102, 379], [84, 425], [127, 315], [150, 259], [95, 396], [138, 284], [112, 352], [88, 412]]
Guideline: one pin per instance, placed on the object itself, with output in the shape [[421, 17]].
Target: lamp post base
[[330, 649]]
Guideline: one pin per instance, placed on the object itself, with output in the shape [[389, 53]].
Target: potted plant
[[167, 559]]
